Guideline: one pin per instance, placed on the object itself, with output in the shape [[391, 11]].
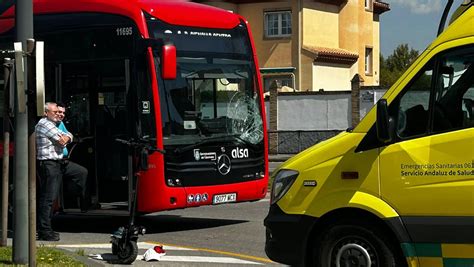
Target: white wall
[[368, 98], [321, 112], [314, 112], [331, 77]]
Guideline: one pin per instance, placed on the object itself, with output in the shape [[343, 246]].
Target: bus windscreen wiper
[[217, 139]]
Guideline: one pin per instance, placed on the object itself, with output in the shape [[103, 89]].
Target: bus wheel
[[129, 254], [353, 245]]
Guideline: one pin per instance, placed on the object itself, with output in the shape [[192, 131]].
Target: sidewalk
[[84, 259]]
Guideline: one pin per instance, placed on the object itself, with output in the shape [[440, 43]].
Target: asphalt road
[[230, 234], [222, 235]]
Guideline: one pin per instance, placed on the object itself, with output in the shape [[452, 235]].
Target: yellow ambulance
[[398, 189]]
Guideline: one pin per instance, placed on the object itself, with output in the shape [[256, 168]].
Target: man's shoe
[[83, 204], [52, 232], [84, 208], [48, 236]]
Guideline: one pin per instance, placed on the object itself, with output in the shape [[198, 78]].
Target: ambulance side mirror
[[384, 124]]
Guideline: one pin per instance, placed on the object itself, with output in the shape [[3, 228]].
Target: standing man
[[52, 167]]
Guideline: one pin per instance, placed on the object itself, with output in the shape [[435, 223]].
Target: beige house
[[313, 45]]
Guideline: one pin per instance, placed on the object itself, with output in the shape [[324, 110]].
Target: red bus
[[103, 59]]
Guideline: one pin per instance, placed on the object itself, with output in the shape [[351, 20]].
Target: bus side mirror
[[168, 62], [384, 123]]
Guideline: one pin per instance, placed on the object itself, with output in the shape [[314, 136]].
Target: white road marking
[[141, 245], [84, 246], [227, 260], [146, 245], [167, 258]]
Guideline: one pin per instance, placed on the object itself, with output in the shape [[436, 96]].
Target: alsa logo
[[240, 153]]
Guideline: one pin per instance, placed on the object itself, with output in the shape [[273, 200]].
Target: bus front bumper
[[286, 236]]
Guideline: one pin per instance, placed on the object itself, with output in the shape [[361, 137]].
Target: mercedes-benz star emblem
[[223, 164]]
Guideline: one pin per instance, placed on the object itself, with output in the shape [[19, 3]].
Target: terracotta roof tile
[[333, 55], [381, 7], [332, 2]]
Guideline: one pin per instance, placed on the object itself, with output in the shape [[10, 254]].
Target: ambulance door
[[427, 174]]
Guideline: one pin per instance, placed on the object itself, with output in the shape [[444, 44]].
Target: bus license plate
[[224, 198]]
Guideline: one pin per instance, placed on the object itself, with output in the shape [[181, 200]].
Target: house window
[[285, 80], [278, 24], [368, 60], [368, 4]]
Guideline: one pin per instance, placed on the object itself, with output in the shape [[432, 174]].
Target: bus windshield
[[215, 93]]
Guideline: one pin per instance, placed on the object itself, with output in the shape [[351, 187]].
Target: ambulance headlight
[[282, 182]]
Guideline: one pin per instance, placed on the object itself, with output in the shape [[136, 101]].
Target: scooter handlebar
[[140, 144]]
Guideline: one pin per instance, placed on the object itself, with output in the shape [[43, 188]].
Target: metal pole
[[31, 154], [7, 68], [5, 173], [299, 71], [24, 31]]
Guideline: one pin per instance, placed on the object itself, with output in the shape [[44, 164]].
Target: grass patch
[[45, 256], [81, 252]]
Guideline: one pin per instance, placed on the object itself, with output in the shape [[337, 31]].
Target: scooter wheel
[[115, 249], [128, 254]]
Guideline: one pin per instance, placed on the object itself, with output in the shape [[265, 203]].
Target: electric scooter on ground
[[124, 240]]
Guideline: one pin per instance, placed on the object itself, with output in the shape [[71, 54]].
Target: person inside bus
[[82, 189], [52, 167]]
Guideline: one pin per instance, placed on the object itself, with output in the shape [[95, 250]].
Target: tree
[[398, 62]]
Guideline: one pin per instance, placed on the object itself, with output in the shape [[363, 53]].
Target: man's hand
[[64, 139]]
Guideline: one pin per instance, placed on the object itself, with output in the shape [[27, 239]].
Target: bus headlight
[[282, 182]]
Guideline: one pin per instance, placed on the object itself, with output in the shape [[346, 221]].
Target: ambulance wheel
[[353, 245], [129, 254]]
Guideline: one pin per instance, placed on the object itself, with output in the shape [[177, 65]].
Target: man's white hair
[[47, 104]]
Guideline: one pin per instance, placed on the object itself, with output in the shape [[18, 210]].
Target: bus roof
[[178, 12]]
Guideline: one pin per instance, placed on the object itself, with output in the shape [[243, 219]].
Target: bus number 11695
[[124, 31]]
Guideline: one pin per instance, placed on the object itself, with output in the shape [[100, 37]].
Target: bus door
[[95, 93]]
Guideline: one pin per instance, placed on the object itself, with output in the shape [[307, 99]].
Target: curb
[[83, 259]]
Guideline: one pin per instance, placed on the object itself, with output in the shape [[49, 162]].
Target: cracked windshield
[[214, 95]]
